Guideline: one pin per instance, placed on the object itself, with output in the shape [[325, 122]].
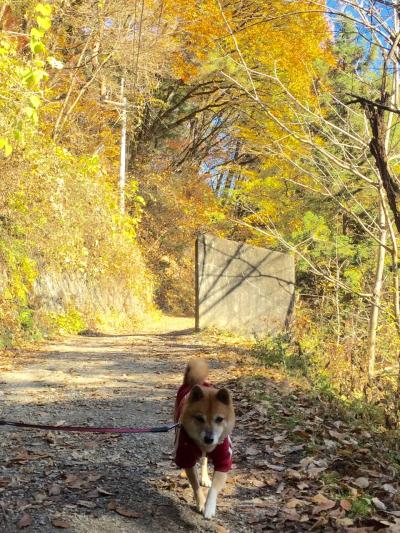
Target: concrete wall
[[242, 289]]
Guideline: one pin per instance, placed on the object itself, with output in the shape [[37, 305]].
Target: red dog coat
[[188, 453]]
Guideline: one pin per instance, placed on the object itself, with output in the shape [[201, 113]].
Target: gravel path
[[99, 483]]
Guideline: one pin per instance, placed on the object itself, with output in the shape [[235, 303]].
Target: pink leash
[[90, 429]]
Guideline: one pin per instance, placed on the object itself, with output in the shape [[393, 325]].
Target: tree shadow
[[92, 471]]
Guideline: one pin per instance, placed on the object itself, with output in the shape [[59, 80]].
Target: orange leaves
[[194, 27], [288, 35]]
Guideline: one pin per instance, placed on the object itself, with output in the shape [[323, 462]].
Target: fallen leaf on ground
[[280, 438], [40, 497], [94, 477], [361, 482], [293, 503], [291, 514], [323, 503], [345, 504], [87, 504], [74, 482], [293, 474], [257, 483], [252, 450], [378, 504], [277, 468], [21, 457], [54, 490], [113, 505], [389, 488], [60, 523], [103, 492], [24, 521], [345, 522], [123, 511]]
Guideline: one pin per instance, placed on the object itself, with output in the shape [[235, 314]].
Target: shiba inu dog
[[207, 417]]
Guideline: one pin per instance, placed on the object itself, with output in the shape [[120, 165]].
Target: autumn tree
[[331, 156], [200, 115]]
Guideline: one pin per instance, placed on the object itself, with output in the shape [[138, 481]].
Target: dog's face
[[208, 416]]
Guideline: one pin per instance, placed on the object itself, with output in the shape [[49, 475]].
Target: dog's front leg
[[193, 478], [218, 483], [205, 480]]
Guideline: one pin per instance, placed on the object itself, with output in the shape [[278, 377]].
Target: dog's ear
[[224, 396], [196, 394]]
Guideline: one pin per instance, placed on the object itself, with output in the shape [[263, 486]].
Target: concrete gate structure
[[243, 289]]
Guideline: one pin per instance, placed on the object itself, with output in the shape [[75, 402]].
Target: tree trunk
[[377, 291]]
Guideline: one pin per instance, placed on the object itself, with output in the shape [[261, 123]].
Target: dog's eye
[[219, 419], [199, 418]]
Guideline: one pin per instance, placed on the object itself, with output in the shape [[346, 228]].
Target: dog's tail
[[196, 372]]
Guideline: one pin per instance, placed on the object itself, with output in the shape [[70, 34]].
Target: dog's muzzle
[[209, 438]]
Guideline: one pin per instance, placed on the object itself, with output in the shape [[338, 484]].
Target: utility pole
[[123, 105], [122, 164]]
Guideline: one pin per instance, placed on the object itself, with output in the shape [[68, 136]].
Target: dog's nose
[[208, 440]]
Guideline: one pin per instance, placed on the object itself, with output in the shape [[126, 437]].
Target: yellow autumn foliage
[[68, 259]]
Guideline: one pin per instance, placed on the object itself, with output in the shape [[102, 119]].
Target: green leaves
[[5, 146], [31, 113], [33, 77], [37, 34], [35, 101], [5, 47], [354, 277], [314, 228], [43, 9], [44, 22], [21, 86]]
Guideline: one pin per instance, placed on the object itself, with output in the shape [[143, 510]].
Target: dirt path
[[298, 467], [100, 380]]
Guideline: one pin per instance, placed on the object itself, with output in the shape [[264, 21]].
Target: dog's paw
[[205, 481], [210, 507], [200, 501]]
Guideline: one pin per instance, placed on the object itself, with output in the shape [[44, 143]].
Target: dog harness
[[188, 453]]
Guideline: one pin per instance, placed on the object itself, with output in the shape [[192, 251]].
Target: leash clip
[[164, 429]]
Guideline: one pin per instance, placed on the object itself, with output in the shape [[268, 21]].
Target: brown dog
[[206, 416]]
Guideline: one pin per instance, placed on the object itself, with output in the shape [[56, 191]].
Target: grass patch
[[330, 479], [361, 507], [278, 351]]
